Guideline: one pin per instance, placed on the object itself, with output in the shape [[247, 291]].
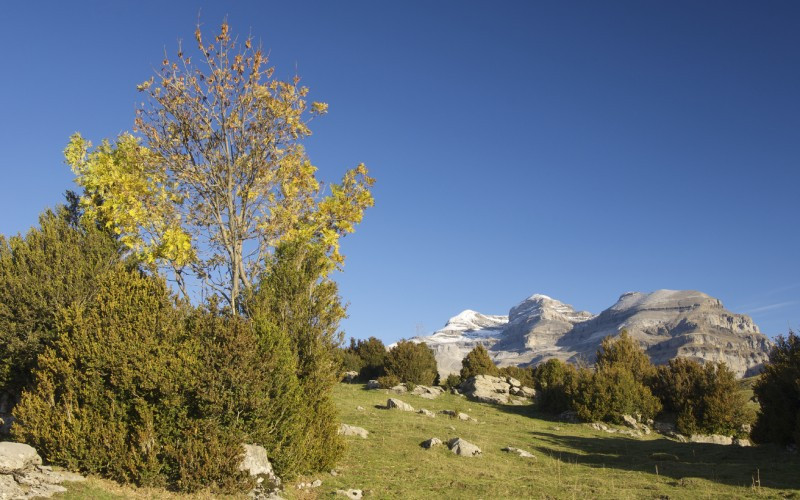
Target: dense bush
[[611, 392], [626, 353], [478, 362], [373, 358], [49, 268], [296, 304], [142, 389], [555, 382], [778, 391], [452, 381], [412, 362], [704, 398], [388, 381], [348, 359], [117, 395]]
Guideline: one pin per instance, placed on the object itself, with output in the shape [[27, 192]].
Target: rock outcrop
[[667, 323], [22, 474], [497, 390]]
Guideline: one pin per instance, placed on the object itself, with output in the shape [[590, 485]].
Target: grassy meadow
[[572, 460]]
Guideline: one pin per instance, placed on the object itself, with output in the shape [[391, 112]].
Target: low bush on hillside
[[478, 362], [412, 362], [778, 391], [452, 381], [555, 382], [367, 357], [141, 388], [705, 399], [612, 392], [49, 268]]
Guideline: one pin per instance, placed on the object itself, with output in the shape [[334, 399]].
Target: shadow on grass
[[768, 465]]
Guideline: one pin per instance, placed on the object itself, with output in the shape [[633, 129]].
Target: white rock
[[430, 443], [352, 430], [351, 494], [15, 457], [463, 448], [427, 413], [393, 403], [711, 439], [521, 453]]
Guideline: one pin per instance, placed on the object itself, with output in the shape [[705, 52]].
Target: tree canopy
[[216, 175]]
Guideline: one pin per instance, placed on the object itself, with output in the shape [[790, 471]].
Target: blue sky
[[575, 149]]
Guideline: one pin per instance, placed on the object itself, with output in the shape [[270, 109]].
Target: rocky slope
[[667, 323]]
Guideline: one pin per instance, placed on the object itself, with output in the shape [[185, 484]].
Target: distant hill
[[667, 323]]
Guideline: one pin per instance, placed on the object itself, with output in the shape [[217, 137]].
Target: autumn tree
[[216, 174]]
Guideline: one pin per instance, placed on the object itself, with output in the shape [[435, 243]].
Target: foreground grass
[[572, 460]]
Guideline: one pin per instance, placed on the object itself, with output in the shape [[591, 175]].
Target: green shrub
[[296, 303], [625, 352], [388, 381], [452, 381], [555, 382], [349, 361], [524, 375], [117, 395], [49, 268], [373, 357], [478, 362], [611, 392], [412, 362], [778, 392], [704, 398]]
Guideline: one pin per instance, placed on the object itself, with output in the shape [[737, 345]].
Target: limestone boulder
[[463, 448], [430, 443], [519, 452], [487, 389], [396, 404], [711, 439], [352, 430]]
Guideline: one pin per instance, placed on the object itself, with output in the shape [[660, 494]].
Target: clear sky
[[575, 149]]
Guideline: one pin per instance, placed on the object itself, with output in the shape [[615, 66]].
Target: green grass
[[573, 461]]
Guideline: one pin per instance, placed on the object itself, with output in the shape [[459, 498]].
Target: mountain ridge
[[667, 323]]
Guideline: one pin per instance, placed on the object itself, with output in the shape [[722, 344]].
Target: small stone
[[316, 483], [430, 443], [352, 430], [399, 405], [521, 453], [360, 408], [427, 413], [334, 472], [351, 494], [463, 448]]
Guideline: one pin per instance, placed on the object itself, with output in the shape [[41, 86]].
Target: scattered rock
[[449, 413], [427, 413], [373, 384], [427, 392], [486, 389], [399, 405], [743, 442], [360, 408], [257, 464], [352, 430], [22, 474], [350, 377], [524, 392], [430, 443], [352, 494], [599, 426], [17, 456], [630, 422], [463, 448], [334, 472], [711, 439], [513, 382], [521, 453]]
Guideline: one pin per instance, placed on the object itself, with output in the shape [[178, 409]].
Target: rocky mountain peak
[[666, 323]]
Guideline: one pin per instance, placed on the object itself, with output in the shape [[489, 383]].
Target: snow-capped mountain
[[667, 323]]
